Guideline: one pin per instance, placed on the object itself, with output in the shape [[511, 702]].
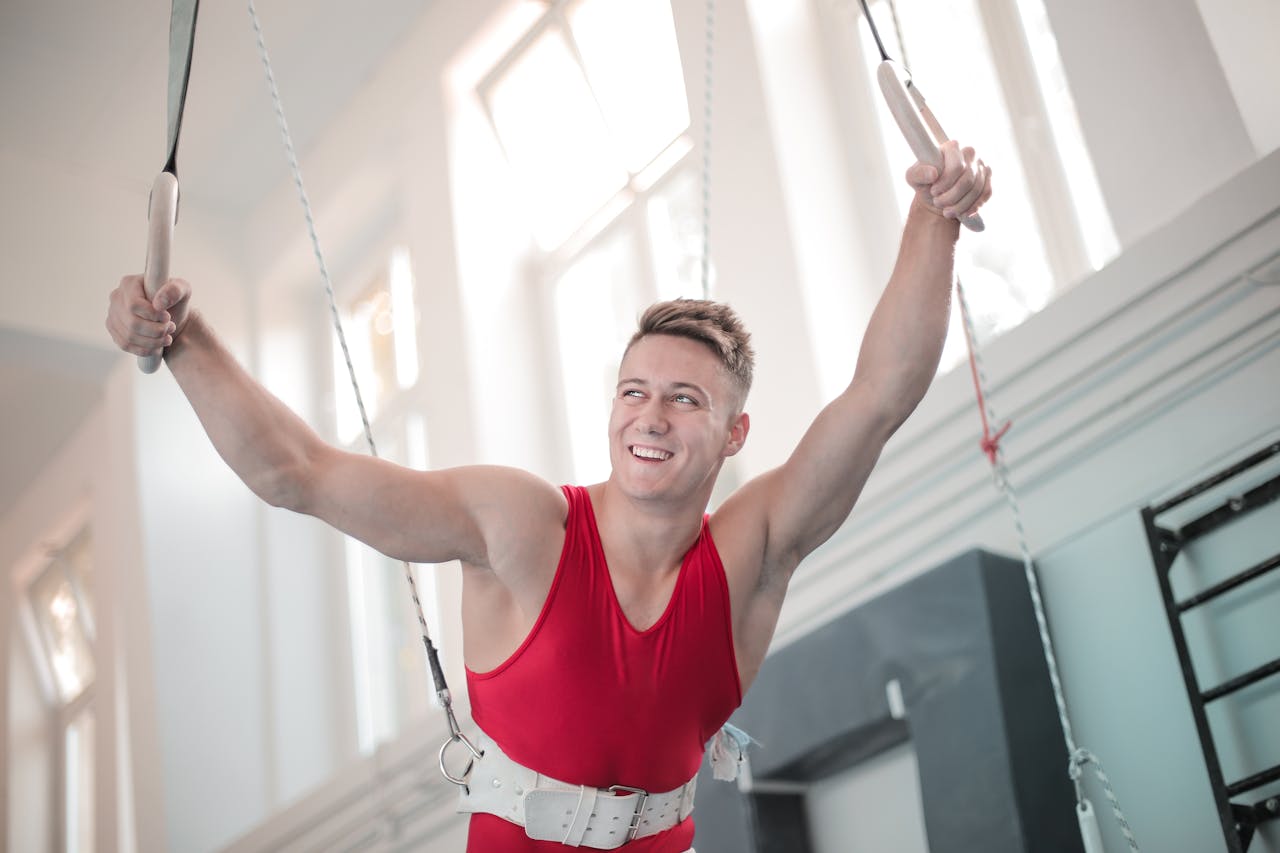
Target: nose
[[651, 420]]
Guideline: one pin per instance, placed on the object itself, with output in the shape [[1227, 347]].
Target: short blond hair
[[713, 324]]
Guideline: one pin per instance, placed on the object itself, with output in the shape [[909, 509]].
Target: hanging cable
[[1078, 756], [709, 42], [433, 655], [897, 29]]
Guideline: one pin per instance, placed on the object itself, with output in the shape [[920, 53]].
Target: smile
[[650, 453]]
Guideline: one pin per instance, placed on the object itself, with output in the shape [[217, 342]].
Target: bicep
[[807, 499], [424, 516]]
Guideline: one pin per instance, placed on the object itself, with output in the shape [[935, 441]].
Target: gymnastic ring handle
[[916, 121], [162, 215], [459, 737]]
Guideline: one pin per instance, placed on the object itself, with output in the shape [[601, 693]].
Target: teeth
[[650, 453]]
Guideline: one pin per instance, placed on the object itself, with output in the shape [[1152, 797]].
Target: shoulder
[[746, 516], [757, 570], [509, 510], [510, 498], [741, 530]]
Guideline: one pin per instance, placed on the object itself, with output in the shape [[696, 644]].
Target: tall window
[[390, 668], [59, 614], [584, 105], [380, 323], [381, 330], [591, 112], [991, 70]]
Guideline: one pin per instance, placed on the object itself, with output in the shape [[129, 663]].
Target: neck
[[646, 535]]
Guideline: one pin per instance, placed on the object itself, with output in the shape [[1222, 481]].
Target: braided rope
[[706, 148], [897, 31], [437, 673], [1081, 757], [1000, 474]]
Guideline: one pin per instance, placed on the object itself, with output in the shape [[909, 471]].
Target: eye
[[685, 400], [633, 393]]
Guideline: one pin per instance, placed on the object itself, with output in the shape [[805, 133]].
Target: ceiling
[[83, 89]]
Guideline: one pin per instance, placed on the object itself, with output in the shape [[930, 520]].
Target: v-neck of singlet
[[613, 590]]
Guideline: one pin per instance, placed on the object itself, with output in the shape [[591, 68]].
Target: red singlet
[[590, 700]]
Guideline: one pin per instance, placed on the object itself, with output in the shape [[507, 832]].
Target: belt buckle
[[638, 813]]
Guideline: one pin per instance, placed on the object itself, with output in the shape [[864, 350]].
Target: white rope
[[897, 31], [1078, 756], [706, 147], [296, 171]]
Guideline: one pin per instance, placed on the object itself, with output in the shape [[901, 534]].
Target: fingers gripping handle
[[162, 213], [916, 121]]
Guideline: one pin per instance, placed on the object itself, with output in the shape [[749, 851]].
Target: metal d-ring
[[459, 737]]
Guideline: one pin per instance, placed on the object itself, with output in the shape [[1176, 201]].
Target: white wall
[[1124, 684], [1125, 689], [1244, 36], [1155, 106]]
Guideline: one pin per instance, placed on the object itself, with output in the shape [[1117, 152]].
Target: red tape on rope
[[990, 443]]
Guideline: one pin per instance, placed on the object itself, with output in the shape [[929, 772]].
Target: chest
[[642, 599]]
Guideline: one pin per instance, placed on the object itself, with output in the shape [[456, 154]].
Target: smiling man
[[609, 630]]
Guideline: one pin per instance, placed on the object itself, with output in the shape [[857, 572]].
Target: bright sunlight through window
[[63, 606], [596, 306], [61, 601], [391, 683], [381, 330], [590, 97], [643, 111], [1006, 270]]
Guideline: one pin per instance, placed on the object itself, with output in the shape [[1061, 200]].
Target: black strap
[[182, 39], [866, 11]]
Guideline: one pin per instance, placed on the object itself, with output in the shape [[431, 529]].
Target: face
[[675, 419]]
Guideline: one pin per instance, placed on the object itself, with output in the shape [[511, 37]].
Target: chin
[[638, 489]]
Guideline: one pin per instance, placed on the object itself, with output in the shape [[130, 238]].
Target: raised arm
[[419, 516], [805, 500]]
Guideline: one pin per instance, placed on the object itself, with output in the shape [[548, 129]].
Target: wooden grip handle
[[162, 214], [915, 122]]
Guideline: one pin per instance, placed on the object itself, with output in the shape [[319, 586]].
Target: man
[[610, 630]]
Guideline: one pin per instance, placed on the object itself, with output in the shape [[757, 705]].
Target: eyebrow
[[676, 386]]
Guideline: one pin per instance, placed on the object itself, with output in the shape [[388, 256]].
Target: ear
[[738, 429]]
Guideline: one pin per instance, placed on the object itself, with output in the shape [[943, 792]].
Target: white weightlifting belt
[[575, 815]]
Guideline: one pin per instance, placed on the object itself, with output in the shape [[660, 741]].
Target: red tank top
[[590, 700]]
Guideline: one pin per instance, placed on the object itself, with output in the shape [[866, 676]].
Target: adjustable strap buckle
[[636, 816]]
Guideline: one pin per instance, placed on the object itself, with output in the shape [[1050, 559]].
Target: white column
[[1154, 104]]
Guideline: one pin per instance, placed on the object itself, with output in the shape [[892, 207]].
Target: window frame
[[1059, 220], [623, 213], [596, 232], [60, 713], [640, 182], [398, 410]]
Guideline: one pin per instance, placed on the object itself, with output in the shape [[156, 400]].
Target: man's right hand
[[142, 326]]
